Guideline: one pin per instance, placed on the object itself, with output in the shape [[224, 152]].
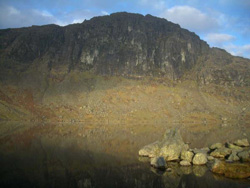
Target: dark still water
[[39, 157]]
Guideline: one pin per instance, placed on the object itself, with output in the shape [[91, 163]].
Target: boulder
[[216, 146], [221, 152], [232, 146], [200, 159], [187, 156], [244, 156], [172, 145], [210, 158], [185, 163], [231, 170], [243, 142], [150, 150], [233, 156], [158, 162]]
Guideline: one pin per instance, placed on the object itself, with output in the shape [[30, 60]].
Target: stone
[[187, 156], [185, 163], [242, 142], [216, 146], [169, 169], [221, 152], [150, 150], [172, 145], [231, 170], [233, 156], [158, 162], [232, 146], [200, 159], [210, 158], [244, 156]]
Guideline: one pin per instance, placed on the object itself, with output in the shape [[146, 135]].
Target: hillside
[[120, 69]]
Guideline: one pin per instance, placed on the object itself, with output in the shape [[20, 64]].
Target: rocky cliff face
[[119, 44], [80, 71]]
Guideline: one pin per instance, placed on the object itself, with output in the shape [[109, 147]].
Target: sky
[[222, 23]]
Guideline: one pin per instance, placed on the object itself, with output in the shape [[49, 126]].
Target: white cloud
[[13, 11], [218, 39], [191, 18], [10, 17], [238, 50], [104, 12]]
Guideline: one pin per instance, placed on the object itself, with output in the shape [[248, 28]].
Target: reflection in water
[[44, 161]]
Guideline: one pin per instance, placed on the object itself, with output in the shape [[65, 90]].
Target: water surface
[[38, 156]]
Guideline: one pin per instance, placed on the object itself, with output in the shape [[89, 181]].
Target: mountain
[[119, 67]]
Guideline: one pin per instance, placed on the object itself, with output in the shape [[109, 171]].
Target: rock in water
[[172, 145], [242, 142], [231, 170], [210, 158], [187, 156], [221, 152], [244, 156], [233, 156], [150, 150], [158, 162], [200, 159], [232, 146], [216, 146]]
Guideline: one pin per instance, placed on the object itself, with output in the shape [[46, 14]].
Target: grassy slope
[[82, 96]]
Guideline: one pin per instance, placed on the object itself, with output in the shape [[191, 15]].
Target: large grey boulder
[[150, 150], [158, 162], [221, 152], [243, 142], [172, 145], [200, 159]]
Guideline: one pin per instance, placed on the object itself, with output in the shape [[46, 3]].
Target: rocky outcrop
[[226, 152], [119, 44], [170, 147]]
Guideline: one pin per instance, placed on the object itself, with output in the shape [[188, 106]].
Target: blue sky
[[222, 23]]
